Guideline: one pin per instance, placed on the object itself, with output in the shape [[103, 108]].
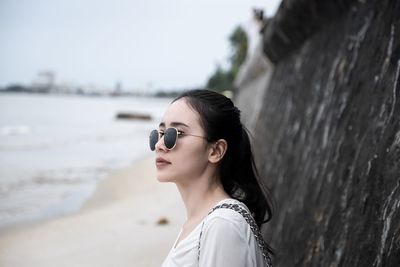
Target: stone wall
[[327, 138], [253, 79]]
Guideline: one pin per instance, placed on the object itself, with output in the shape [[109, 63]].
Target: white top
[[227, 240]]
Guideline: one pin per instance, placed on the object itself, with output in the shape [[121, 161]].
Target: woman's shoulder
[[229, 204], [227, 233], [225, 226], [224, 216]]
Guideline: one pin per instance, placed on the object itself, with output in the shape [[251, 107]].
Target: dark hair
[[238, 173]]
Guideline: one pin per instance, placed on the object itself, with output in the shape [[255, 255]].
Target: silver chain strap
[[253, 226]]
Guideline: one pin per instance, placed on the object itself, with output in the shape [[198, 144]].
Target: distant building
[[44, 82], [117, 89]]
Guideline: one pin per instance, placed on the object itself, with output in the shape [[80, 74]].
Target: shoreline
[[37, 220], [118, 226]]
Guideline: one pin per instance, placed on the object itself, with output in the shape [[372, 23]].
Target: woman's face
[[189, 158]]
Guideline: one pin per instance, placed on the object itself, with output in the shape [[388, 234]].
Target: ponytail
[[240, 179]]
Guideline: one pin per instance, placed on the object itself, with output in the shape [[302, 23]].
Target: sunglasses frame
[[161, 134]]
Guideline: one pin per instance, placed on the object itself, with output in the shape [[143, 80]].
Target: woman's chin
[[163, 179]]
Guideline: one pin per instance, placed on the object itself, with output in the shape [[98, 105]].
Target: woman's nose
[[160, 144]]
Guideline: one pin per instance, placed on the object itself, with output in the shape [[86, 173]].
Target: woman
[[203, 148]]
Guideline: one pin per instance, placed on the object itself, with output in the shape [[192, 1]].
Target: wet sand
[[118, 226]]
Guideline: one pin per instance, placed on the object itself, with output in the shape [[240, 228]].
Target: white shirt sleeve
[[223, 244]]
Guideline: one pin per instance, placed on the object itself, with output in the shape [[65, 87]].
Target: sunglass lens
[[170, 137], [153, 139]]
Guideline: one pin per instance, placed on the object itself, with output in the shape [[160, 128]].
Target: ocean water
[[54, 149]]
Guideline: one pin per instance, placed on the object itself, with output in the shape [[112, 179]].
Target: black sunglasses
[[170, 137]]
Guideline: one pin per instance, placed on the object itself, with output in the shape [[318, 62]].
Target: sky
[[174, 44]]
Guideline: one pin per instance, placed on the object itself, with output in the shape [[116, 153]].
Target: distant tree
[[221, 79], [238, 41], [17, 88]]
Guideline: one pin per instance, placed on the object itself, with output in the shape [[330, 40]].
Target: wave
[[67, 141], [15, 130]]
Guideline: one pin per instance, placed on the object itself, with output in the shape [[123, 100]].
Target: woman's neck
[[200, 196]]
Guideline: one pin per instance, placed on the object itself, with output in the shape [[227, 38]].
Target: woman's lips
[[162, 162]]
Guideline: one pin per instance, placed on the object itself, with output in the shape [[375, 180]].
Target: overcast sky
[[156, 43]]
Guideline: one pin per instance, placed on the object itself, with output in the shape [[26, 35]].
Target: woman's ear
[[218, 150]]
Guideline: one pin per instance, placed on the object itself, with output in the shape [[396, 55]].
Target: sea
[[54, 149]]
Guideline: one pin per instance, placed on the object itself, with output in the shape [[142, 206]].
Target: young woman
[[202, 147]]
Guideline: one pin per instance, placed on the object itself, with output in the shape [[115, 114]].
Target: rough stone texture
[[295, 21], [253, 79], [328, 139]]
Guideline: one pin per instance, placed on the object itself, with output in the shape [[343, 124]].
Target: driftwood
[[133, 116]]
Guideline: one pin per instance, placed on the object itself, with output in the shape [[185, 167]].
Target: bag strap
[[253, 226]]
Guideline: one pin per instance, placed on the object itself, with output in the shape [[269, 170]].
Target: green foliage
[[221, 79], [238, 40]]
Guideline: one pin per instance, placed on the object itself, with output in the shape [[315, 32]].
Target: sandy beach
[[118, 226]]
